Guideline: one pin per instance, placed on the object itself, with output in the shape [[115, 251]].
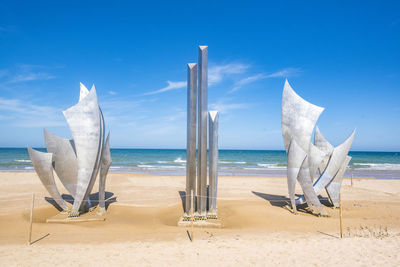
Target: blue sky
[[342, 55]]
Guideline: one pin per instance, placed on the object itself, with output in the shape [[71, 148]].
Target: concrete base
[[86, 217], [210, 223]]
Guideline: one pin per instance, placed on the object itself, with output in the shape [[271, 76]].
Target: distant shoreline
[[379, 175], [271, 163]]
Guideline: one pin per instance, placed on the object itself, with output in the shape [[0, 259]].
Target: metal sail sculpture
[[305, 158], [77, 161]]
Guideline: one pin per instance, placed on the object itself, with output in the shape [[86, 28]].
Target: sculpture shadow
[[284, 202], [53, 202], [274, 200], [182, 194], [325, 201], [68, 198], [94, 198]]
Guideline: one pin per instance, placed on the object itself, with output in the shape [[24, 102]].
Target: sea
[[380, 165]]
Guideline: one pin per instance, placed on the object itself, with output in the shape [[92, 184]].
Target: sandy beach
[[258, 227]]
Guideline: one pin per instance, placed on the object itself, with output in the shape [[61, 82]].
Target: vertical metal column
[[202, 130], [191, 137], [213, 167]]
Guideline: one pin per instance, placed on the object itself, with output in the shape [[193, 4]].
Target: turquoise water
[[231, 162]]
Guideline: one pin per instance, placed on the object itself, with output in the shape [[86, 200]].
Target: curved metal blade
[[42, 162]]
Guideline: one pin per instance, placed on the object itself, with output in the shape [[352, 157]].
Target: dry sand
[[257, 226]]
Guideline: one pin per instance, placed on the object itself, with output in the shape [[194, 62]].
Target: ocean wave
[[146, 166], [271, 165], [256, 168], [377, 166], [28, 168], [22, 160], [162, 162], [171, 167], [116, 167], [232, 162], [180, 160]]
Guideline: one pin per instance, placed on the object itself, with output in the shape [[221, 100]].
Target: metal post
[[202, 130], [31, 219], [213, 166], [191, 137]]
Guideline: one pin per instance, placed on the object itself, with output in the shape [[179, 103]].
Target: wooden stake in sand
[[31, 219], [340, 216], [351, 179]]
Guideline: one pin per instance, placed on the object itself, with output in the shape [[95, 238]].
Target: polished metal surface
[[213, 166], [64, 160], [324, 145], [191, 136], [298, 118], [42, 162], [315, 157], [337, 159], [83, 92], [78, 161], [304, 158], [87, 129], [333, 188], [105, 164], [296, 156], [306, 185], [202, 131]]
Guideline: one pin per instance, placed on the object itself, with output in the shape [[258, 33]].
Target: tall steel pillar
[[202, 132], [213, 166], [191, 136]]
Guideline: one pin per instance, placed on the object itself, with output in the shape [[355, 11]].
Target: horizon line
[[233, 149]]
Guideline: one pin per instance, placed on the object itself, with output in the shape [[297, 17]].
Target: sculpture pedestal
[[209, 223], [86, 217]]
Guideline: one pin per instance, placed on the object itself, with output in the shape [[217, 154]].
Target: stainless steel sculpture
[[42, 162], [213, 168], [202, 129], [104, 166], [64, 160], [206, 206], [191, 137], [304, 158], [77, 162], [333, 188], [87, 129]]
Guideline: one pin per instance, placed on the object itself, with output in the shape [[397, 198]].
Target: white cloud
[[23, 114], [288, 72], [171, 86], [222, 107], [25, 73], [25, 77], [248, 80], [217, 72], [112, 92]]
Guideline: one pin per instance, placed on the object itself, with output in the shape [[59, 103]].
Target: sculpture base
[[86, 217], [208, 223]]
